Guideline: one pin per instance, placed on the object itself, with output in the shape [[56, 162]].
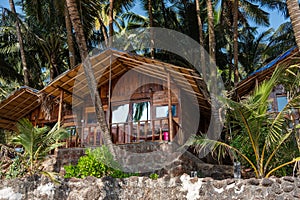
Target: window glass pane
[[162, 111], [120, 113], [281, 102], [141, 111]]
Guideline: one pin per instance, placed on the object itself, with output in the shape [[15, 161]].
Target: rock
[[289, 179], [253, 181], [287, 187], [266, 182], [183, 187]]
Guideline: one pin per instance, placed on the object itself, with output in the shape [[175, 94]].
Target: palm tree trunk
[[104, 31], [294, 12], [20, 39], [69, 38], [80, 38], [235, 41], [211, 31], [163, 10], [202, 58], [151, 31], [111, 19]]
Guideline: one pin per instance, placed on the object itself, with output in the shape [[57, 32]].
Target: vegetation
[[154, 176], [49, 38], [44, 36], [97, 162], [37, 143], [261, 138]]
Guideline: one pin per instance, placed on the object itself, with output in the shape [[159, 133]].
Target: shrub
[[16, 169], [154, 176], [98, 163]]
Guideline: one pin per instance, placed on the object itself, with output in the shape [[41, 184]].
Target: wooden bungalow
[[278, 97], [248, 84], [142, 99]]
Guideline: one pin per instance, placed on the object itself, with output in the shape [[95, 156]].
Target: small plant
[[98, 163], [37, 143], [16, 169], [154, 176]]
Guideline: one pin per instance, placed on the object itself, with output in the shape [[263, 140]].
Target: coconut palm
[[37, 142], [280, 41], [266, 133], [92, 84], [20, 39], [294, 12]]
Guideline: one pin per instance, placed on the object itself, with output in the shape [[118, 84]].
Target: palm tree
[[201, 40], [111, 19], [211, 30], [151, 26], [92, 84], [294, 12], [235, 41], [71, 46], [37, 142], [263, 134], [20, 39]]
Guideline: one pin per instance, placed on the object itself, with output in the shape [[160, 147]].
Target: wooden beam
[[70, 93], [60, 108], [170, 108]]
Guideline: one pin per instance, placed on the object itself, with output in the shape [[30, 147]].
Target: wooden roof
[[108, 63], [18, 105], [119, 63], [286, 59]]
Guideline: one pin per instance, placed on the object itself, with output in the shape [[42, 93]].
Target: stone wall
[[148, 157], [67, 156], [182, 187]]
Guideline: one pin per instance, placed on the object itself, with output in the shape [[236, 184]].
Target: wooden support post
[[60, 108], [124, 133], [130, 114], [146, 130], [61, 96], [95, 135], [138, 131], [152, 113], [170, 108]]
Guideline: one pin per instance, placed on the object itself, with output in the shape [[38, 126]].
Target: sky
[[275, 18]]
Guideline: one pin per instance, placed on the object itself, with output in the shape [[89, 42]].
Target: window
[[162, 111], [141, 111], [281, 102], [120, 113]]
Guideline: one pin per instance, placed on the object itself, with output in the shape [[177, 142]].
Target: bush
[[98, 163], [154, 176], [16, 169]]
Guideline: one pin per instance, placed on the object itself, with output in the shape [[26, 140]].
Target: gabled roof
[[120, 62], [287, 58], [24, 100], [17, 105]]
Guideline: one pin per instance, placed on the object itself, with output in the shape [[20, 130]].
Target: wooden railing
[[131, 132]]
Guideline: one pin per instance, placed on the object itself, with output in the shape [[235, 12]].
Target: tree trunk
[[202, 56], [20, 39], [235, 41], [211, 31], [70, 38], [163, 10], [294, 12], [111, 19], [151, 31], [92, 84], [104, 31]]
